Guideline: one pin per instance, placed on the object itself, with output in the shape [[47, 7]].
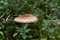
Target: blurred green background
[[44, 29]]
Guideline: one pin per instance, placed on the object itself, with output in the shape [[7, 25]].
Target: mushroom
[[26, 18]]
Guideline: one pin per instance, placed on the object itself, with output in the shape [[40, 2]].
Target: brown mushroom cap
[[26, 18]]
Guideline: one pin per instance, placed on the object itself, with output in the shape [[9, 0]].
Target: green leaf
[[1, 33], [43, 28], [15, 34], [1, 7], [43, 39], [5, 3], [27, 30], [51, 36], [46, 23], [51, 30], [0, 27], [58, 36], [25, 26], [24, 36]]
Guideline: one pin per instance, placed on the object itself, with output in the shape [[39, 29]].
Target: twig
[[1, 16], [7, 17]]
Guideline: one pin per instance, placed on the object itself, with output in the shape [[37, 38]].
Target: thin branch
[[7, 17], [1, 16]]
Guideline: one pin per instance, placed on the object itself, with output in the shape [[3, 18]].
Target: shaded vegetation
[[44, 29]]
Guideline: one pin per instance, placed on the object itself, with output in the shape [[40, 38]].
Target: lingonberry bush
[[47, 27]]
